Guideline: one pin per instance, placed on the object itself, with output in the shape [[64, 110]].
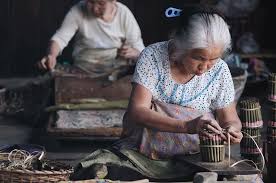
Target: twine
[[211, 145], [22, 159], [244, 160], [253, 109]]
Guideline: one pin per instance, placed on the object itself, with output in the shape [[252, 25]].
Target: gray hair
[[202, 31]]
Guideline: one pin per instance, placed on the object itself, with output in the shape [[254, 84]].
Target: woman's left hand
[[127, 52], [234, 134]]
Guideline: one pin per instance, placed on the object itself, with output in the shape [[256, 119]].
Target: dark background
[[27, 25]]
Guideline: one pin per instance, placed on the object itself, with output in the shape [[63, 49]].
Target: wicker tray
[[24, 176]]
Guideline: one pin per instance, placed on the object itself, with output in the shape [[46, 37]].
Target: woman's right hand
[[204, 126], [48, 62]]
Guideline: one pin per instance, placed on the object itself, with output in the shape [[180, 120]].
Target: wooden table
[[221, 168]]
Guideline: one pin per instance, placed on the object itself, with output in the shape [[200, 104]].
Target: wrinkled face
[[199, 61], [98, 7]]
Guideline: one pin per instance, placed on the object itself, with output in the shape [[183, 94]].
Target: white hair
[[203, 31]]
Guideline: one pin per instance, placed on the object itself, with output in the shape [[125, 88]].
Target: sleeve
[[68, 27], [226, 92], [133, 31], [146, 71]]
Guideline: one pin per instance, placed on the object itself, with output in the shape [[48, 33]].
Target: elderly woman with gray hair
[[184, 73], [181, 88]]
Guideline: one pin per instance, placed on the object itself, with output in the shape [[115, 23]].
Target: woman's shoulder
[[157, 48], [79, 8], [219, 68], [153, 54], [123, 10]]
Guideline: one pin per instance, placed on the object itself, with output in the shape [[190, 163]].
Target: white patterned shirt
[[212, 90]]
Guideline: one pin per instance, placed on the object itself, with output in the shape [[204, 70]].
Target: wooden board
[[221, 168], [91, 133], [78, 87]]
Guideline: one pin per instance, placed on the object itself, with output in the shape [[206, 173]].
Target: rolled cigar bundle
[[271, 133], [212, 149], [250, 113], [272, 87], [252, 123], [247, 144], [271, 125]]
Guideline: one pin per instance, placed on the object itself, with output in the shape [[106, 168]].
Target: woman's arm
[[139, 112], [229, 120]]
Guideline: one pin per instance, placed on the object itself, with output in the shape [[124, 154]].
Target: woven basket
[[34, 176], [24, 176], [239, 77]]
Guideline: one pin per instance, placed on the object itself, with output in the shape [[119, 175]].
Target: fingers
[[234, 140], [235, 135], [51, 63], [212, 125], [47, 63], [128, 52], [205, 133], [42, 63]]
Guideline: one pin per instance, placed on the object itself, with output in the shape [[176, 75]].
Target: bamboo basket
[[212, 149], [272, 87]]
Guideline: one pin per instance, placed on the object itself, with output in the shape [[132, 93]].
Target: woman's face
[[98, 7], [199, 61]]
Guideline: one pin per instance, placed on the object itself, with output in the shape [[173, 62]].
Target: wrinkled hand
[[235, 135], [206, 127], [47, 63], [127, 52]]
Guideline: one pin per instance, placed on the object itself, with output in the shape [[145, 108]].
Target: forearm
[[149, 118], [235, 123], [53, 49], [228, 117]]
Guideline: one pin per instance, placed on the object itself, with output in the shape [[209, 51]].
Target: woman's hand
[[47, 62], [234, 134], [204, 126], [127, 52]]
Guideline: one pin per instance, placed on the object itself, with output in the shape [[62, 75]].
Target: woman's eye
[[199, 58]]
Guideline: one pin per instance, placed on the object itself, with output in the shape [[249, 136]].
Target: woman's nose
[[204, 66]]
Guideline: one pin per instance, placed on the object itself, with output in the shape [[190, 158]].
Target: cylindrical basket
[[212, 149]]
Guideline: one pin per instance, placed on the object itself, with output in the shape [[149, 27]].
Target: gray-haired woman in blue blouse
[[186, 71]]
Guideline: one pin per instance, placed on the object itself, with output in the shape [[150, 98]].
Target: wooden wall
[[27, 25]]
